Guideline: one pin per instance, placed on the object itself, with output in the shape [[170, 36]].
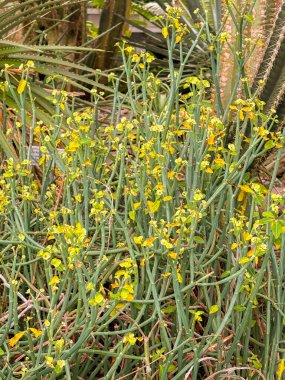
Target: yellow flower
[[49, 361], [135, 58], [211, 140], [149, 242], [30, 64], [178, 38], [54, 280], [179, 277], [132, 215], [220, 162], [167, 274], [138, 239], [36, 332], [156, 128], [89, 287], [172, 255], [198, 315], [128, 263], [21, 86], [72, 146], [137, 205], [13, 341], [166, 243], [78, 198], [97, 300], [153, 206], [130, 338], [129, 49], [241, 196], [60, 363], [246, 189], [56, 262], [198, 195], [213, 309], [164, 32], [281, 369]]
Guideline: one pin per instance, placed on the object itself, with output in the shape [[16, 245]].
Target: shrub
[[142, 245]]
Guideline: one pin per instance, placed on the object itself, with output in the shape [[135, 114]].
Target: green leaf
[[276, 228], [171, 368], [268, 214], [225, 274], [199, 240], [269, 144], [132, 215], [239, 308], [249, 18], [168, 309]]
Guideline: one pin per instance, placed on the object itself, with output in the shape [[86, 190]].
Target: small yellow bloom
[[178, 38], [149, 242], [36, 332], [164, 32], [130, 338], [153, 206], [167, 274], [138, 239], [281, 369], [198, 315], [246, 189], [135, 58], [97, 300], [54, 281], [166, 243], [13, 341], [21, 86], [211, 140], [49, 361], [89, 287], [213, 309], [172, 255]]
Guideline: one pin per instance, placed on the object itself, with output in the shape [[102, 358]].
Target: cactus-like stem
[[272, 69]]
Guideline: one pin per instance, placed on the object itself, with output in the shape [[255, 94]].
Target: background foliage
[[141, 243]]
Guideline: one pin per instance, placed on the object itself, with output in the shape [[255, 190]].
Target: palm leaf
[[48, 60]]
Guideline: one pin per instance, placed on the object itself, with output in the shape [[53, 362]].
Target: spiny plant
[[270, 79], [243, 22]]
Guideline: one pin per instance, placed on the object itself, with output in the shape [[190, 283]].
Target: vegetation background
[[142, 190]]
